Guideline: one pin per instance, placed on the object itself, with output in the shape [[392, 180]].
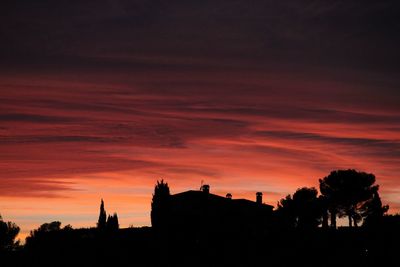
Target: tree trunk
[[350, 221], [333, 219], [325, 219]]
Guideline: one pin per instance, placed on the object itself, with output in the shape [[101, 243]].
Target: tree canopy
[[347, 192], [8, 234], [303, 210]]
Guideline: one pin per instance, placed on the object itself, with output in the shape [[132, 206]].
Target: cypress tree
[[160, 205], [112, 222], [101, 224], [116, 223]]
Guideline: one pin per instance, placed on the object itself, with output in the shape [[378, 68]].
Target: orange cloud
[[66, 142]]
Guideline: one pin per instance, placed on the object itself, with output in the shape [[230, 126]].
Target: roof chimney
[[259, 197], [205, 188]]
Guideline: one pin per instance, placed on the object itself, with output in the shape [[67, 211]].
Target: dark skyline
[[102, 98]]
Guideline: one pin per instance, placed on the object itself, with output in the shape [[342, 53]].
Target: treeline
[[343, 193], [302, 231], [9, 231]]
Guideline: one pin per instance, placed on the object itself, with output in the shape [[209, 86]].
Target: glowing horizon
[[99, 99]]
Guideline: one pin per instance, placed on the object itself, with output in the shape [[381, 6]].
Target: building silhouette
[[200, 212]]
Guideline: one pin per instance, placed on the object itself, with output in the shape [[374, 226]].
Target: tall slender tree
[[102, 222], [116, 222], [160, 204]]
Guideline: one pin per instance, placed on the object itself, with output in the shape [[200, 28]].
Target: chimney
[[205, 188], [259, 197]]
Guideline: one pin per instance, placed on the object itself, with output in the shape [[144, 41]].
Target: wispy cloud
[[99, 98]]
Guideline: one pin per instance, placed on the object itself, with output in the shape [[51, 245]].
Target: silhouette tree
[[373, 211], [49, 227], [68, 227], [8, 233], [346, 191], [307, 207], [112, 222], [45, 235], [101, 224], [303, 210], [286, 213], [42, 230], [160, 204]]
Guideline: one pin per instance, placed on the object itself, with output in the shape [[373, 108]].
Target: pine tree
[[345, 192]]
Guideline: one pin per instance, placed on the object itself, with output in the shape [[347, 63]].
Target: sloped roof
[[197, 196]]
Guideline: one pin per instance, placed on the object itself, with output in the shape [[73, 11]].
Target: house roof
[[199, 196]]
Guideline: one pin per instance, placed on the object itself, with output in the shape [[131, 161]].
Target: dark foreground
[[144, 247]]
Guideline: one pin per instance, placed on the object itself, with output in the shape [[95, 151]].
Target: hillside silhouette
[[199, 228]]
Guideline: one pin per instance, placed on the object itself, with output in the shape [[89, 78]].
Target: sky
[[100, 99]]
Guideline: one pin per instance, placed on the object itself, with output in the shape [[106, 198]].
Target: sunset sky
[[102, 98]]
